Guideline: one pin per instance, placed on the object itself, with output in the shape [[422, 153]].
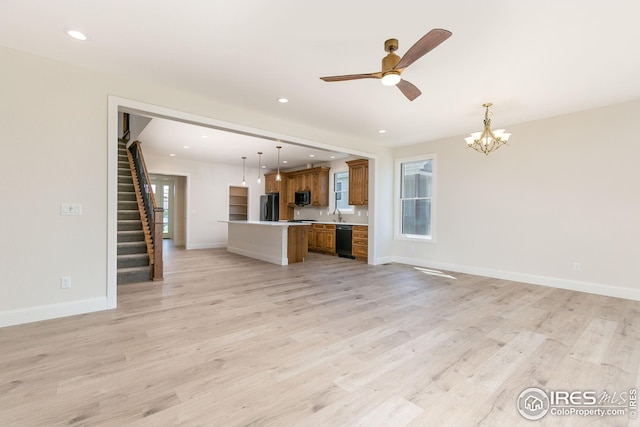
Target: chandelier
[[487, 140]]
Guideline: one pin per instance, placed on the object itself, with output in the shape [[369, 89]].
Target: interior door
[[164, 192]]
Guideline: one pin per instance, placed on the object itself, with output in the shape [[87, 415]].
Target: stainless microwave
[[302, 198]]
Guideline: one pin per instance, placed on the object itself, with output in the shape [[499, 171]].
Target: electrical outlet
[[65, 282], [577, 266]]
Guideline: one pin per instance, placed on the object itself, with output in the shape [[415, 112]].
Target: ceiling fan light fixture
[[393, 65], [390, 78]]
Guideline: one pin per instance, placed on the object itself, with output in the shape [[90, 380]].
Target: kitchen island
[[278, 242]]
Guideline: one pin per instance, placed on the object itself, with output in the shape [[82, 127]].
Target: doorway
[[181, 210], [164, 190], [171, 193]]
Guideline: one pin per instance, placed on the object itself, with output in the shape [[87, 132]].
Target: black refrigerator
[[269, 207]]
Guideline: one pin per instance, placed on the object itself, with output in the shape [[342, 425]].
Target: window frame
[[397, 200], [332, 203]]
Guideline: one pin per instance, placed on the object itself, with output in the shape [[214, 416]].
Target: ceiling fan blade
[[352, 77], [408, 89], [429, 41]]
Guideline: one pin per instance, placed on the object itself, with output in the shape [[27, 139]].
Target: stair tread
[[144, 268], [141, 243], [126, 256]]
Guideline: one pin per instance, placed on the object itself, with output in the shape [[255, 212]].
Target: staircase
[[133, 259]]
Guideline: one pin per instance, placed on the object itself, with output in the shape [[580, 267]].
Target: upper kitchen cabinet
[[358, 182], [319, 186], [281, 187], [270, 183], [315, 180]]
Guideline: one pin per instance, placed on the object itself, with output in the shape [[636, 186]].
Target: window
[[341, 191], [416, 198]]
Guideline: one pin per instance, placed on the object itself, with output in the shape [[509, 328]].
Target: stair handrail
[[126, 127], [153, 213]]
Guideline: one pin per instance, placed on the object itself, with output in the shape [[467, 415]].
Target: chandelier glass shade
[[487, 140]]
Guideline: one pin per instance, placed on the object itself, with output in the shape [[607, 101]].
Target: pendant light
[[259, 166], [487, 141], [278, 177], [244, 160]]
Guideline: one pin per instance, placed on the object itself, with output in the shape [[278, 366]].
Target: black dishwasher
[[343, 240]]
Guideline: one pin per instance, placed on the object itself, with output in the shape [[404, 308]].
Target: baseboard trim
[[214, 245], [552, 282], [384, 260], [52, 311]]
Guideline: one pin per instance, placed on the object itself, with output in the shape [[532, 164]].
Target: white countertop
[[336, 223], [268, 223], [287, 223]]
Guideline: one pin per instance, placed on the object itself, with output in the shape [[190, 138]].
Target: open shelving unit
[[238, 203]]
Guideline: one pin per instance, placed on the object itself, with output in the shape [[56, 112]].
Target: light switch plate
[[71, 209]]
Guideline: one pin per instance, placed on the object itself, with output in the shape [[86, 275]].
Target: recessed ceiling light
[[382, 131], [186, 146], [264, 167], [284, 161], [333, 157], [283, 100], [172, 155], [204, 136], [312, 155], [76, 34]]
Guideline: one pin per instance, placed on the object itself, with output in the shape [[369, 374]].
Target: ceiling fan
[[393, 65]]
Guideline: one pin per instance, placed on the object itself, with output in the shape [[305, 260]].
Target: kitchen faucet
[[339, 214]]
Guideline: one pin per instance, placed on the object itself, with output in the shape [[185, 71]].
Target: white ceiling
[[531, 58], [187, 141]]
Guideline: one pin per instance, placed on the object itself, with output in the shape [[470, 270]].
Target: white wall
[[563, 191], [208, 195], [53, 127]]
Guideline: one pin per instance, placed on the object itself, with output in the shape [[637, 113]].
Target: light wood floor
[[230, 341]]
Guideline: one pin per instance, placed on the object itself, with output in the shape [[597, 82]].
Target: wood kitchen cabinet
[[301, 182], [315, 180], [322, 238], [360, 242], [281, 187], [319, 187], [270, 183], [358, 182], [292, 187]]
